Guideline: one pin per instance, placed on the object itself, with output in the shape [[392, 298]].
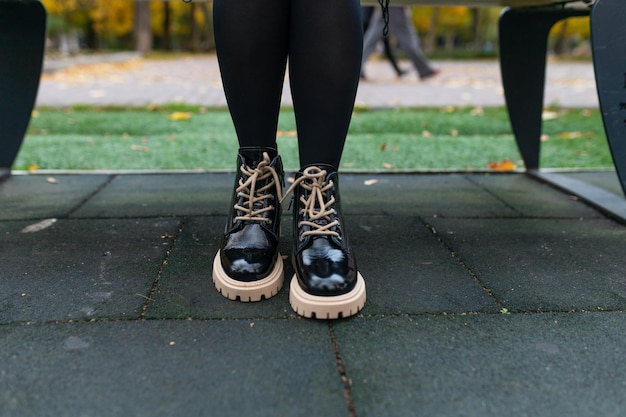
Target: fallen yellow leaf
[[549, 115], [288, 133], [574, 135], [33, 167], [179, 115], [505, 165], [477, 111], [139, 148]]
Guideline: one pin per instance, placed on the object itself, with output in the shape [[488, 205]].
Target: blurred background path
[[128, 79]]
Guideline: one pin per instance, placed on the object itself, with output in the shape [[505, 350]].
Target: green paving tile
[[532, 198], [175, 368], [408, 270], [78, 269], [449, 195], [161, 195], [41, 196], [544, 265], [186, 288], [486, 365]]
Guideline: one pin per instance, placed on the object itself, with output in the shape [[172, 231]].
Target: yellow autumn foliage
[[117, 16], [114, 16]]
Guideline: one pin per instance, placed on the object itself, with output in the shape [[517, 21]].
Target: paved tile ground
[[488, 295]]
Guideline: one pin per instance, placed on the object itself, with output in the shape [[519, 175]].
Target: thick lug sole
[[248, 291], [320, 307]]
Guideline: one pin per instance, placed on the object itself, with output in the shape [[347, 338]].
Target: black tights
[[323, 41]]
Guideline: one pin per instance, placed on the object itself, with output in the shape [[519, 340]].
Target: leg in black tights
[[252, 39], [323, 40], [325, 64]]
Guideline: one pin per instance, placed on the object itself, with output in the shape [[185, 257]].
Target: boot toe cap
[[248, 264]]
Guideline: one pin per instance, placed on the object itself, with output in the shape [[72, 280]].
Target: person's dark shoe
[[401, 73], [248, 266], [326, 283], [430, 75]]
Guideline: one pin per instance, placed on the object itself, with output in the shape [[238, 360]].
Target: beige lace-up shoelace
[[316, 207], [253, 196]]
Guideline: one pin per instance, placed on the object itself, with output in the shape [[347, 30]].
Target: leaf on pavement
[[505, 165]]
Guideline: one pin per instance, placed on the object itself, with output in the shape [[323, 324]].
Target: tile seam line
[[360, 317], [136, 319], [155, 284], [90, 196], [490, 313], [462, 262], [341, 370], [493, 194], [386, 214]]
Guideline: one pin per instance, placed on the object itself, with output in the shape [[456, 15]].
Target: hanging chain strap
[[384, 4]]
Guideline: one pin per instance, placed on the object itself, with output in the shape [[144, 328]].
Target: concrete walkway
[[196, 80]]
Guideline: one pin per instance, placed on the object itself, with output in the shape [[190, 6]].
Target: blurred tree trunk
[[193, 28], [208, 20], [142, 29], [476, 30], [561, 39], [167, 25], [430, 40], [92, 40]]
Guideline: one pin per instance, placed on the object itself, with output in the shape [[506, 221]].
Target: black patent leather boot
[[248, 266], [326, 284]]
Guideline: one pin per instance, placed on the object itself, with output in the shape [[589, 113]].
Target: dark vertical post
[[22, 43], [523, 48], [608, 35]]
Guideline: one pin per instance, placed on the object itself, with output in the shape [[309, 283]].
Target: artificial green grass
[[90, 138]]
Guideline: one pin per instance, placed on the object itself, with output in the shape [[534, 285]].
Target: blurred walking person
[[401, 26], [368, 13]]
